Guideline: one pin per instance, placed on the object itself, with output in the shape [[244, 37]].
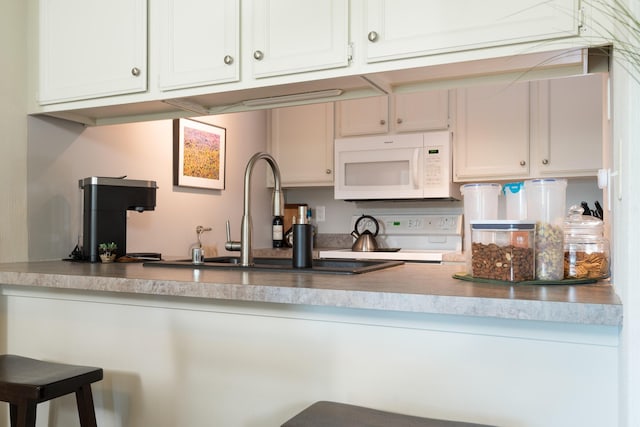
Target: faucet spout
[[246, 257]]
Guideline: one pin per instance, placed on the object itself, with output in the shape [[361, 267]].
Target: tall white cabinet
[[91, 48]]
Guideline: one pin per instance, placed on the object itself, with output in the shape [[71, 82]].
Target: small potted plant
[[107, 251]]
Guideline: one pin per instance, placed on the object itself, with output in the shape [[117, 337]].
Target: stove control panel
[[420, 224]]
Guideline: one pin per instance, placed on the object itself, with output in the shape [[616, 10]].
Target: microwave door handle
[[416, 159]]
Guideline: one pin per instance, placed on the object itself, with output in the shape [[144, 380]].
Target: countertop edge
[[518, 309]]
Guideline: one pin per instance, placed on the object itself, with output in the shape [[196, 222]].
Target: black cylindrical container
[[302, 246]]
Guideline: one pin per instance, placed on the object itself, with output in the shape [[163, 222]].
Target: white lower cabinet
[[301, 141], [402, 112], [530, 130]]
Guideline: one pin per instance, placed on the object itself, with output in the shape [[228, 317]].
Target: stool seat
[[25, 382], [333, 414]]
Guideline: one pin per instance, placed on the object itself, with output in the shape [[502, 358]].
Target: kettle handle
[[375, 221]]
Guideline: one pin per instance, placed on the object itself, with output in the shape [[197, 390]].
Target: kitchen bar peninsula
[[219, 347]]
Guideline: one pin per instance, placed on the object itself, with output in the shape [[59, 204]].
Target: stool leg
[[23, 414], [86, 411]]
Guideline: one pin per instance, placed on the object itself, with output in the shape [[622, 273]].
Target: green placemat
[[468, 278]]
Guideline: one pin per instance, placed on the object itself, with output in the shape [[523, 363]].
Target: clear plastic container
[[503, 250], [480, 202], [546, 200], [515, 201], [586, 251]]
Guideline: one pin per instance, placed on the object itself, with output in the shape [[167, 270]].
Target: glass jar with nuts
[[503, 250], [586, 251]]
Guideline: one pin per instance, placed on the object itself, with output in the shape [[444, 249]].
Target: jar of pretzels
[[586, 251]]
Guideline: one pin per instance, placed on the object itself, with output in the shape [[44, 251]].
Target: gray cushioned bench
[[332, 414]]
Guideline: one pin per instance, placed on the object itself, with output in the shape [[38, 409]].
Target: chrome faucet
[[244, 246]]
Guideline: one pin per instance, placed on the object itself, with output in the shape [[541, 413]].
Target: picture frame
[[199, 154]]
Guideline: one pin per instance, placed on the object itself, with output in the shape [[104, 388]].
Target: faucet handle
[[199, 230], [230, 245]]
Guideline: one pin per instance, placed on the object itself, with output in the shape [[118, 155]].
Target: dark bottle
[[277, 232]]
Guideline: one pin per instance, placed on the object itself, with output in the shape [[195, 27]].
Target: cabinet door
[[571, 128], [91, 48], [293, 36], [200, 42], [420, 111], [364, 116], [302, 144], [409, 28], [492, 137]]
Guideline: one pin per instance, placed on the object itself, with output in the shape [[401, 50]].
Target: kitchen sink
[[327, 266]]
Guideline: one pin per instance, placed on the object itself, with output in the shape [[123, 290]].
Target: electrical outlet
[[320, 213]]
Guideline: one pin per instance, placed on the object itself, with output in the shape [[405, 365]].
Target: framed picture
[[198, 154]]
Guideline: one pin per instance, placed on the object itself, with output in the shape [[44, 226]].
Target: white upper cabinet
[[409, 28], [293, 36], [91, 48], [492, 132], [420, 111], [200, 42], [572, 121], [550, 128], [364, 116], [402, 112], [301, 141]]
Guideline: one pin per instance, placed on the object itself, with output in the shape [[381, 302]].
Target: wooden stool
[[26, 382], [332, 414]]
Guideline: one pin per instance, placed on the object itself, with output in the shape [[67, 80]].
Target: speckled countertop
[[412, 287]]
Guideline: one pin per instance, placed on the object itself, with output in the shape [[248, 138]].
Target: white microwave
[[406, 166]]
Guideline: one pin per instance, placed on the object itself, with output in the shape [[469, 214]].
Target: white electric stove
[[408, 237]]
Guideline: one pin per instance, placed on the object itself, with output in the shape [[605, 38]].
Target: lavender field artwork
[[198, 154]]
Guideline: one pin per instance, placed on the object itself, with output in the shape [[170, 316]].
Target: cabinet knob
[[522, 163], [135, 71], [328, 171], [228, 59], [372, 36], [383, 122], [545, 161], [258, 55], [399, 120]]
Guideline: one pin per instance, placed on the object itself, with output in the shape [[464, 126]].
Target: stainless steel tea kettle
[[365, 240]]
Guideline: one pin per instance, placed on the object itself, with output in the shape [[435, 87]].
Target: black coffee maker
[[105, 206]]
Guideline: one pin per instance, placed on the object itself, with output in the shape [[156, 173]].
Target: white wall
[[13, 130], [61, 153], [338, 212], [626, 232]]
